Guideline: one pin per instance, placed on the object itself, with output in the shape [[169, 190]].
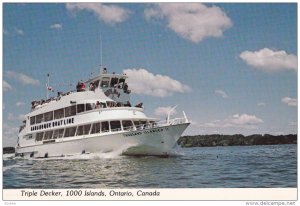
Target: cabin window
[[95, 128], [96, 83], [136, 123], [70, 132], [113, 81], [70, 111], [58, 114], [86, 129], [58, 133], [127, 124], [104, 82], [39, 136], [103, 105], [104, 127], [48, 116], [115, 126], [83, 130], [48, 135], [39, 118], [32, 120], [90, 106], [80, 108], [121, 83], [28, 136]]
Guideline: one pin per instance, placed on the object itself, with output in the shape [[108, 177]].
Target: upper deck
[[103, 87]]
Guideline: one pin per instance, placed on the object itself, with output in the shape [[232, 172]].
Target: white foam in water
[[99, 155], [176, 151], [8, 156]]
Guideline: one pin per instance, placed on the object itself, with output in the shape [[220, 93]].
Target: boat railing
[[172, 121], [116, 130]]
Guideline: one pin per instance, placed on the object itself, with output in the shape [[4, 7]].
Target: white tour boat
[[95, 118]]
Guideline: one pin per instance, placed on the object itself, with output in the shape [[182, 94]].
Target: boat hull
[[155, 141]]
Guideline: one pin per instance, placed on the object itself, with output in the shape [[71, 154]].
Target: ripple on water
[[214, 167]]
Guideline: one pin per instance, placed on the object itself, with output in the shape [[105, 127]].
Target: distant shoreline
[[235, 140]]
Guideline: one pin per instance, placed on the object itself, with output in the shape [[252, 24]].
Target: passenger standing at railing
[[98, 105], [92, 87]]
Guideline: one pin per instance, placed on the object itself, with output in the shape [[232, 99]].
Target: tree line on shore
[[235, 140]]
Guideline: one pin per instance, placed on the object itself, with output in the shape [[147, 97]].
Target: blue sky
[[231, 67]]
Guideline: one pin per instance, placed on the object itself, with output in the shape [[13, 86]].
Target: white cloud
[[290, 101], [12, 117], [269, 60], [293, 123], [163, 111], [192, 21], [19, 31], [18, 104], [261, 104], [110, 14], [56, 26], [238, 120], [221, 93], [143, 82], [22, 78], [6, 86], [10, 134]]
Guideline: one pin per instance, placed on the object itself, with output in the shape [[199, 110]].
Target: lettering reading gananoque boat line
[[53, 124]]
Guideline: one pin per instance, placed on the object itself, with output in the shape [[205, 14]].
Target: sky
[[232, 67]]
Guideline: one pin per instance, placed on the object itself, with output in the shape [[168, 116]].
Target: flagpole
[[47, 86]]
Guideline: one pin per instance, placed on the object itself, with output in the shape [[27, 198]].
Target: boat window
[[86, 129], [32, 120], [48, 116], [115, 126], [113, 81], [95, 128], [58, 114], [70, 111], [39, 118], [121, 83], [48, 134], [70, 132], [96, 83], [127, 124], [103, 105], [58, 133], [90, 106], [83, 130], [79, 130], [39, 136], [80, 108], [136, 123], [104, 127], [104, 82]]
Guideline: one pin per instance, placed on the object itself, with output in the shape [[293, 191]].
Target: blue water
[[202, 167]]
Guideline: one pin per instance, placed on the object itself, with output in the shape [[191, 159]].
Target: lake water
[[201, 167]]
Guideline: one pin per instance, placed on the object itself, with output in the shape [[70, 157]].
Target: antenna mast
[[47, 86], [101, 53]]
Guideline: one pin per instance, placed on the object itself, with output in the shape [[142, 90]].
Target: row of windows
[[107, 81], [64, 112], [98, 127]]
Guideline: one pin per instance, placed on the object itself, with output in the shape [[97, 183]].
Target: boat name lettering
[[53, 124], [143, 132]]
